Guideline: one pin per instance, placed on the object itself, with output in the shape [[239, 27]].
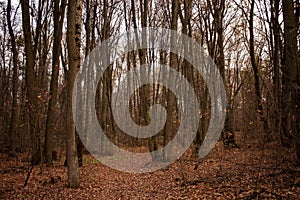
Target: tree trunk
[[291, 77], [31, 82], [14, 115], [276, 60], [171, 99], [259, 100], [73, 45], [59, 13]]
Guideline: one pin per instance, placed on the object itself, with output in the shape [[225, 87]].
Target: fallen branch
[[28, 175]]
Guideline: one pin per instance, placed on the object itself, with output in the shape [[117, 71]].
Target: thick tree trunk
[[73, 45], [171, 99], [291, 77]]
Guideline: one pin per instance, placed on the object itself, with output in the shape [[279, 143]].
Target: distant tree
[[254, 64], [15, 82], [218, 9]]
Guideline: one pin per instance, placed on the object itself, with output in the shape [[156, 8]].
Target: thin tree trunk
[[107, 78], [14, 115], [31, 82], [59, 13], [276, 60], [259, 100]]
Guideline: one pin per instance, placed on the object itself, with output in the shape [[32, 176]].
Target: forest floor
[[256, 170]]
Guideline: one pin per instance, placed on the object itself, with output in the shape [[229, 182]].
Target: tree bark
[[31, 83], [59, 13], [73, 45], [107, 78], [276, 60], [291, 77], [14, 115], [171, 100], [259, 100]]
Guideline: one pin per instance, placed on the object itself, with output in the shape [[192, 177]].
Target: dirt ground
[[256, 170]]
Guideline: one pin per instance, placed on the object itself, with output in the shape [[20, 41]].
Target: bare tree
[[171, 100], [58, 18], [291, 77], [73, 44], [254, 64], [276, 57], [15, 82], [31, 82]]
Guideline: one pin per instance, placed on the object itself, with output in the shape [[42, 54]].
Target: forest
[[150, 99]]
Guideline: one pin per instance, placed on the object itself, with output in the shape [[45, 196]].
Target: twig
[[28, 175], [195, 182]]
